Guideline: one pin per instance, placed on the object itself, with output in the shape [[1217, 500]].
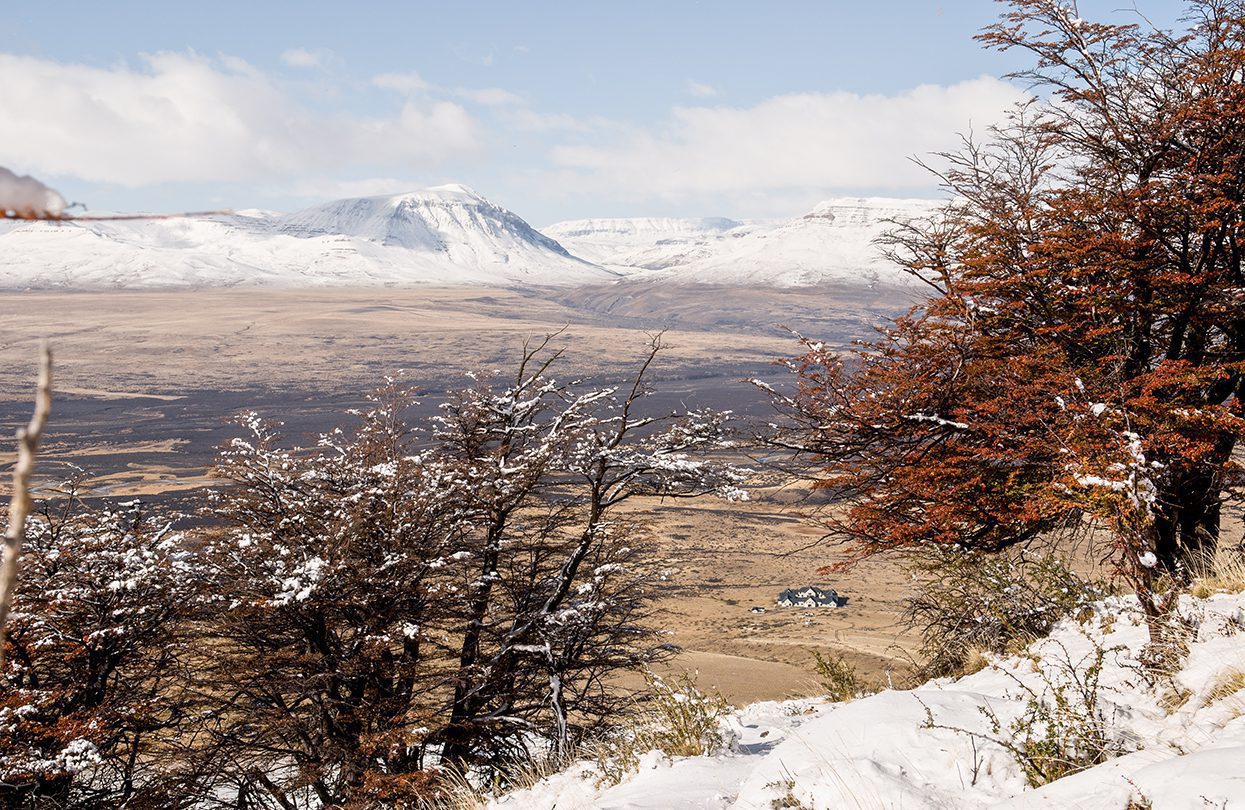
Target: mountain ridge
[[832, 243], [451, 235], [443, 235]]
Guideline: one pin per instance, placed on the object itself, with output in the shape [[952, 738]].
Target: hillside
[[447, 235], [934, 746], [647, 243], [832, 244]]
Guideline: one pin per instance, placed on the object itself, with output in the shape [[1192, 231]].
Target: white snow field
[[444, 235], [833, 243], [648, 243], [881, 751], [450, 235]]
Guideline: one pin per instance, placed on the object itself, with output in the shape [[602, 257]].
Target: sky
[[556, 110]]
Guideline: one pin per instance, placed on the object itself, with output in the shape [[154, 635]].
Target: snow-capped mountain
[[648, 243], [832, 243], [442, 235], [450, 235]]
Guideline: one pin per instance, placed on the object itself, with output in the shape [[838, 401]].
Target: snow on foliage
[[452, 591], [93, 633], [24, 197]]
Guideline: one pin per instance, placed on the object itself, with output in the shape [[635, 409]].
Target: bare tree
[[396, 599]]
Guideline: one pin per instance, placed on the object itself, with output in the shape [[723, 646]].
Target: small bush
[[838, 677], [1064, 727], [675, 717], [788, 800], [974, 603]]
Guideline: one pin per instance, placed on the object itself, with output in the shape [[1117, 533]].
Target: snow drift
[[934, 746]]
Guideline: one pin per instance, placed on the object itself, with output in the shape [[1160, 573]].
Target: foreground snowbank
[[936, 747]]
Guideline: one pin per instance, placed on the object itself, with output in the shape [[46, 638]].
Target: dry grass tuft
[[1223, 572], [1226, 685], [1173, 697], [677, 718]]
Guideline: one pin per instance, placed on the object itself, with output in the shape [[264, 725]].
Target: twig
[[19, 507], [224, 212]]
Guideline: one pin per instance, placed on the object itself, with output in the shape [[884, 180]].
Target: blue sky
[[556, 110]]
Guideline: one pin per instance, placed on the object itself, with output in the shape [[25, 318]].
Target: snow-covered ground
[[883, 751]]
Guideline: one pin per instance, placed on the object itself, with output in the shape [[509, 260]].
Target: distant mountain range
[[448, 235], [831, 243]]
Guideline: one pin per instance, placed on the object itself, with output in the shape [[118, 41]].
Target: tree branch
[[19, 507]]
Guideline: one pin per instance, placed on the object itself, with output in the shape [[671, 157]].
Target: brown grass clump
[[1226, 685], [675, 717], [1223, 572]]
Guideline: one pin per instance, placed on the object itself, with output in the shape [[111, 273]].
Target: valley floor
[[146, 382]]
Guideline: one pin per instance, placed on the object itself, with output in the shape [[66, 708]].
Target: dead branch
[[19, 507]]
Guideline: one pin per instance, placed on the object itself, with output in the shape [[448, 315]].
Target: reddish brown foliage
[[1083, 353]]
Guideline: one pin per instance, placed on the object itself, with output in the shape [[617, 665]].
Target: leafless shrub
[[19, 506], [404, 599], [970, 603], [94, 688], [1065, 726]]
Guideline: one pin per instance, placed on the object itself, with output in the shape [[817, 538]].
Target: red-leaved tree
[[1081, 355]]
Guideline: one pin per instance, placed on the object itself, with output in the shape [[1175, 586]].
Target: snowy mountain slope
[[935, 748], [451, 235], [442, 235], [833, 243], [646, 243]]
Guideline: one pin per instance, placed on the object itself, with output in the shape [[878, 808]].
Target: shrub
[[1064, 727], [408, 598], [838, 677], [673, 716], [98, 638], [971, 603]]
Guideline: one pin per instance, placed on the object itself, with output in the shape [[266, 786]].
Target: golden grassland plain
[[146, 380]]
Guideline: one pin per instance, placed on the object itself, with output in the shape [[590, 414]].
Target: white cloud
[[408, 84], [187, 118], [303, 58], [412, 84], [367, 187], [700, 90], [799, 141]]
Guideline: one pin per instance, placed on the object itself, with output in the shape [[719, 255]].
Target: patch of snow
[[882, 752]]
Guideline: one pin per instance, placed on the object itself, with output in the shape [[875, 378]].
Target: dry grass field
[[146, 382]]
